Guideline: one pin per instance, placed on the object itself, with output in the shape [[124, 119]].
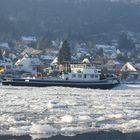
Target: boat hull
[[102, 84]]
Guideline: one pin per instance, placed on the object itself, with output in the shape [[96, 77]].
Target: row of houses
[[34, 61], [35, 64]]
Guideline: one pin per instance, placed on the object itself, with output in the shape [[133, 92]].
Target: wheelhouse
[[86, 73]]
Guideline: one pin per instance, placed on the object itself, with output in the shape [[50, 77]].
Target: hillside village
[[104, 33], [22, 57]]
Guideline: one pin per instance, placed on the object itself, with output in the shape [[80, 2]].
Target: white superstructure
[[85, 73]]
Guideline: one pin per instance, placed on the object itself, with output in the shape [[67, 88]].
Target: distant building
[[4, 46], [128, 68], [113, 66], [129, 72], [28, 39], [6, 65], [28, 64]]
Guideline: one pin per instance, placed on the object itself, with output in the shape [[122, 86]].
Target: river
[[59, 111]]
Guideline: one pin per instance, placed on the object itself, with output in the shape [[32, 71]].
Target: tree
[[100, 52], [43, 43], [125, 43], [64, 55], [33, 45], [134, 54], [1, 54]]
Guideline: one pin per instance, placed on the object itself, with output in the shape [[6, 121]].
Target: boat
[[87, 77]]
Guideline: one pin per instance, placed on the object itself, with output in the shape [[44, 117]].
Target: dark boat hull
[[102, 84]]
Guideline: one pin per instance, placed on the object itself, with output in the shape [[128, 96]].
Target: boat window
[[79, 76], [95, 71], [85, 75], [34, 68], [73, 75], [96, 76], [91, 76]]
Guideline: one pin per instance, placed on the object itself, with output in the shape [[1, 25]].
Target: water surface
[[52, 111]]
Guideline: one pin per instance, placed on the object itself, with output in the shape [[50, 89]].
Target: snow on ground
[[45, 112]]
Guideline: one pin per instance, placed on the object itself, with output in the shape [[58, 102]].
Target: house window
[[73, 75], [8, 67]]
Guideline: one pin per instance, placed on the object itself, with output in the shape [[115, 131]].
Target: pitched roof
[[32, 51], [29, 38], [55, 61], [85, 60], [128, 67]]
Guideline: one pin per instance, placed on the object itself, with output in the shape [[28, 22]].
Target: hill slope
[[59, 18]]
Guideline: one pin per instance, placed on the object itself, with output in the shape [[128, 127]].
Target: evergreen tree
[[43, 43], [125, 43], [64, 55], [100, 52], [1, 54]]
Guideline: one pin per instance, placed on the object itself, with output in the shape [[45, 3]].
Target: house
[[128, 68], [4, 46], [2, 69], [85, 60], [129, 72], [28, 39], [137, 66], [28, 63], [47, 58], [6, 65], [54, 62], [98, 61], [113, 66], [106, 48]]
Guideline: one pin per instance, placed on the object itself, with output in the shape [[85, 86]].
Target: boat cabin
[[86, 73]]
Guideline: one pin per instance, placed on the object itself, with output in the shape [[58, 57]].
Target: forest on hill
[[75, 19]]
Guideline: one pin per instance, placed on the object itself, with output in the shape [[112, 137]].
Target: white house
[[128, 68], [85, 60], [55, 62], [129, 73], [28, 64]]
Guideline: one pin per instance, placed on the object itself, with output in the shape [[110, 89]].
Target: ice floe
[[50, 111]]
